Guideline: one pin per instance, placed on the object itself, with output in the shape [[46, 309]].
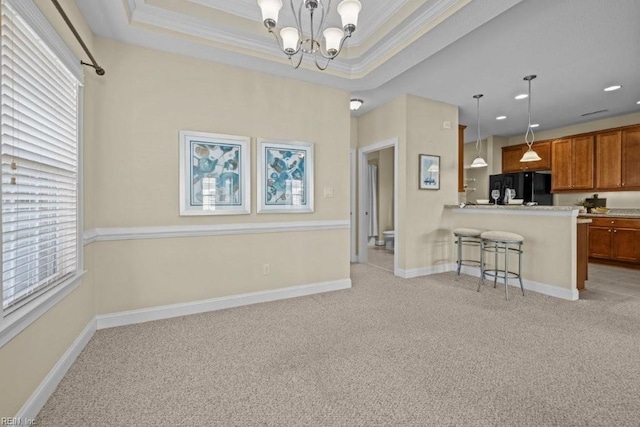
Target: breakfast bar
[[551, 253]]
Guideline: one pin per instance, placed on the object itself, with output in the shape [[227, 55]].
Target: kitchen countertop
[[626, 213], [515, 207]]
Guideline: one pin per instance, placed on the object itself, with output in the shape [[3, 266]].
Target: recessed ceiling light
[[522, 96], [504, 117], [612, 88], [638, 102], [535, 125]]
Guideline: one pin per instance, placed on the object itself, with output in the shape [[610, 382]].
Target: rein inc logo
[[17, 421]]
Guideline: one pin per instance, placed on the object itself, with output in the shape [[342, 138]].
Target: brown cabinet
[[617, 159], [572, 163], [512, 154], [615, 239], [461, 129], [631, 158]]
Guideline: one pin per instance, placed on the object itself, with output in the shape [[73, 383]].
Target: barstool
[[466, 237], [501, 242]]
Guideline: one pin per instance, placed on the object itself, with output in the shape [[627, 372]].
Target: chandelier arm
[[315, 58], [296, 66], [344, 39], [325, 12], [298, 17]]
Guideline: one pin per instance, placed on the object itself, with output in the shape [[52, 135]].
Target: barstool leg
[[506, 271], [520, 267], [459, 243], [495, 267], [481, 281]]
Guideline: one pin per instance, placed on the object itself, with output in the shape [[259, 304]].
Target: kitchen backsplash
[[618, 199]]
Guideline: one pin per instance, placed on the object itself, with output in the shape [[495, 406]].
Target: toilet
[[389, 239]]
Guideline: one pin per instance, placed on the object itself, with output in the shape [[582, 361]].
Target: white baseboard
[[39, 397], [213, 304], [529, 285], [425, 271]]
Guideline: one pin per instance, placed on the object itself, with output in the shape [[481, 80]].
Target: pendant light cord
[[478, 141], [529, 128]]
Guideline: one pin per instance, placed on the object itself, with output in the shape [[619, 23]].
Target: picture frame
[[429, 172], [215, 174], [285, 181]]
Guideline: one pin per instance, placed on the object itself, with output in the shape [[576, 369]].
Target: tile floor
[[380, 257], [609, 282]]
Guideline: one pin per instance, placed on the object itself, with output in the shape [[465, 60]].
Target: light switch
[[328, 192], [446, 125]]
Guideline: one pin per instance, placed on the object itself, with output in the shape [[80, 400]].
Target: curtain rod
[[99, 70]]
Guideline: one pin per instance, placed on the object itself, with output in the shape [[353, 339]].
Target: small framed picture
[[214, 174], [285, 176], [429, 172]]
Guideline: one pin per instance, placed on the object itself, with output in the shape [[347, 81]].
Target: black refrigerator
[[530, 186]]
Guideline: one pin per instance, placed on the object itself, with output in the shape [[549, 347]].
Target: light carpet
[[425, 351]]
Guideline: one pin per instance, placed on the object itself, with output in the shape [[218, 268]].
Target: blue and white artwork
[[285, 177], [215, 174], [429, 172], [216, 179]]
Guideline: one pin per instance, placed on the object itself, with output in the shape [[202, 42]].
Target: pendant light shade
[[530, 155], [478, 162]]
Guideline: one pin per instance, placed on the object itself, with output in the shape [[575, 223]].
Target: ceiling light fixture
[[612, 88], [638, 102], [293, 40], [535, 125], [478, 162], [530, 155], [522, 96], [354, 104], [501, 117]]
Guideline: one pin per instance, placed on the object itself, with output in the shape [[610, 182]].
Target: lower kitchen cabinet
[[615, 239]]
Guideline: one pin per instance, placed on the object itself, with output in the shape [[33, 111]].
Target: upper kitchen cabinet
[[617, 159], [511, 156], [609, 160], [572, 164], [631, 158]]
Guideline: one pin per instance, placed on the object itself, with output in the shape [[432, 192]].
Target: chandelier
[[295, 43]]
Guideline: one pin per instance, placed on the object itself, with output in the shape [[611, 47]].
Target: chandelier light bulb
[[290, 39], [270, 10], [333, 37], [348, 11]]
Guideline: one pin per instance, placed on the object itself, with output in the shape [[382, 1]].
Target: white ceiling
[[447, 50]]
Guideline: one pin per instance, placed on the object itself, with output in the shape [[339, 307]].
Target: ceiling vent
[[594, 112]]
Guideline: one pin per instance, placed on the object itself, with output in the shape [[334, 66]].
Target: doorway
[[378, 242]]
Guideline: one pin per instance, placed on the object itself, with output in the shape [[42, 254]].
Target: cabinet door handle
[[615, 231], [609, 230]]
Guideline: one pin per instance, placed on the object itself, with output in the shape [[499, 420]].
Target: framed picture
[[214, 174], [429, 172], [285, 176]]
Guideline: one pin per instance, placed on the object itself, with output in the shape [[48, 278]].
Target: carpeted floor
[[425, 351], [380, 257]]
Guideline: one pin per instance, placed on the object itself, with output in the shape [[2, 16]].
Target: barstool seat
[[467, 232], [466, 237], [501, 243], [502, 236]]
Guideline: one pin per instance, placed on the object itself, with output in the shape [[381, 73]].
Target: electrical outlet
[[328, 192], [266, 269]]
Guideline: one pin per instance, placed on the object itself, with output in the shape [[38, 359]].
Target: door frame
[[362, 196], [353, 213]]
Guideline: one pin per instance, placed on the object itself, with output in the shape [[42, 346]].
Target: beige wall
[[385, 191], [28, 358], [422, 240], [142, 108], [426, 240]]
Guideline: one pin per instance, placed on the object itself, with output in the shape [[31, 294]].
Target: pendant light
[[478, 162], [530, 155]]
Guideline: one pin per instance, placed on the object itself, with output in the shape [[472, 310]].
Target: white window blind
[[39, 164]]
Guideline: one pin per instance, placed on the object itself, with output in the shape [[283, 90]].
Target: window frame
[[15, 320]]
